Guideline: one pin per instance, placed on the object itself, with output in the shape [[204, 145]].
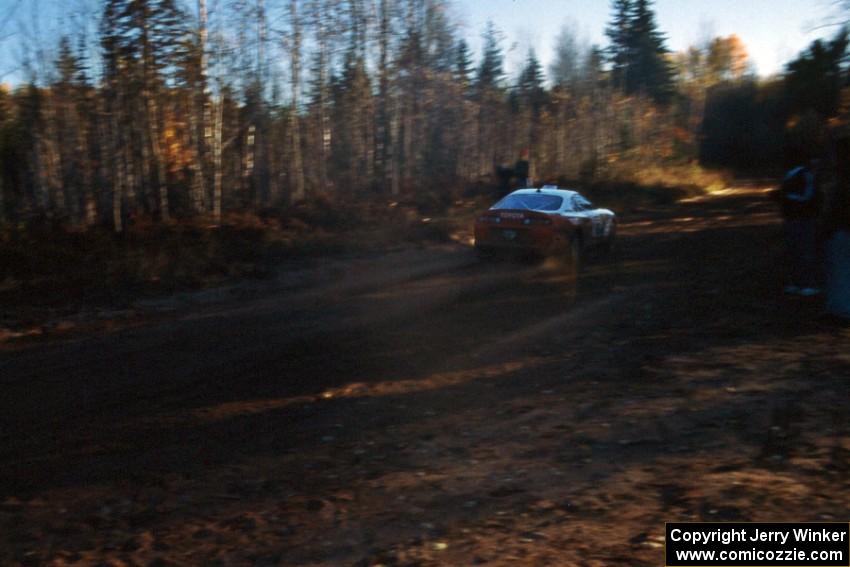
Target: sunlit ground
[[498, 414]]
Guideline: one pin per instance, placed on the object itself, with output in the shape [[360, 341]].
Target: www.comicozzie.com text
[[743, 534]]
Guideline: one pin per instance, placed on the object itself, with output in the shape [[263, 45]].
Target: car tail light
[[537, 221]]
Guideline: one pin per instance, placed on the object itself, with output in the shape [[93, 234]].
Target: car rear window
[[531, 202]]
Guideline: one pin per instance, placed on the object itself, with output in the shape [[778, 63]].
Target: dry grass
[[61, 269], [630, 185]]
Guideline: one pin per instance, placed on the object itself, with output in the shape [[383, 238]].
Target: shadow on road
[[485, 412]]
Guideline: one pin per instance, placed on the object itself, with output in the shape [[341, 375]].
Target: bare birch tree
[[298, 191]]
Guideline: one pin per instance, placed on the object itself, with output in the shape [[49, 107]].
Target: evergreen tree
[[146, 33], [463, 64], [82, 78], [649, 70], [7, 169], [185, 117], [815, 78], [593, 69], [637, 53], [530, 84], [438, 40], [490, 72], [566, 68], [66, 64], [352, 117], [489, 96], [142, 44], [619, 32], [66, 132]]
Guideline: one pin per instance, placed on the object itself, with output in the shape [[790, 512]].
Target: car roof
[[565, 193]]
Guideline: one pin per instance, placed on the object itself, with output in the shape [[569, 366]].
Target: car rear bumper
[[518, 240]]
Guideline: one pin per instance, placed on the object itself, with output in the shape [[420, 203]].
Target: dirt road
[[424, 408]]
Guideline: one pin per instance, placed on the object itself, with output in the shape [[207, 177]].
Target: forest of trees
[[180, 111]]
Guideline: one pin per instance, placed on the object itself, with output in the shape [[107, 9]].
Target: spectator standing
[[838, 227], [800, 200], [522, 170], [504, 174]]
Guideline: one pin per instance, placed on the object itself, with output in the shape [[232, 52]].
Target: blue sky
[[773, 30]]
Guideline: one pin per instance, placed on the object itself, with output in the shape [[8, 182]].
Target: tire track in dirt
[[477, 413], [142, 369]]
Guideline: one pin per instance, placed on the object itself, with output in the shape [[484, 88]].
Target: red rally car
[[544, 221]]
